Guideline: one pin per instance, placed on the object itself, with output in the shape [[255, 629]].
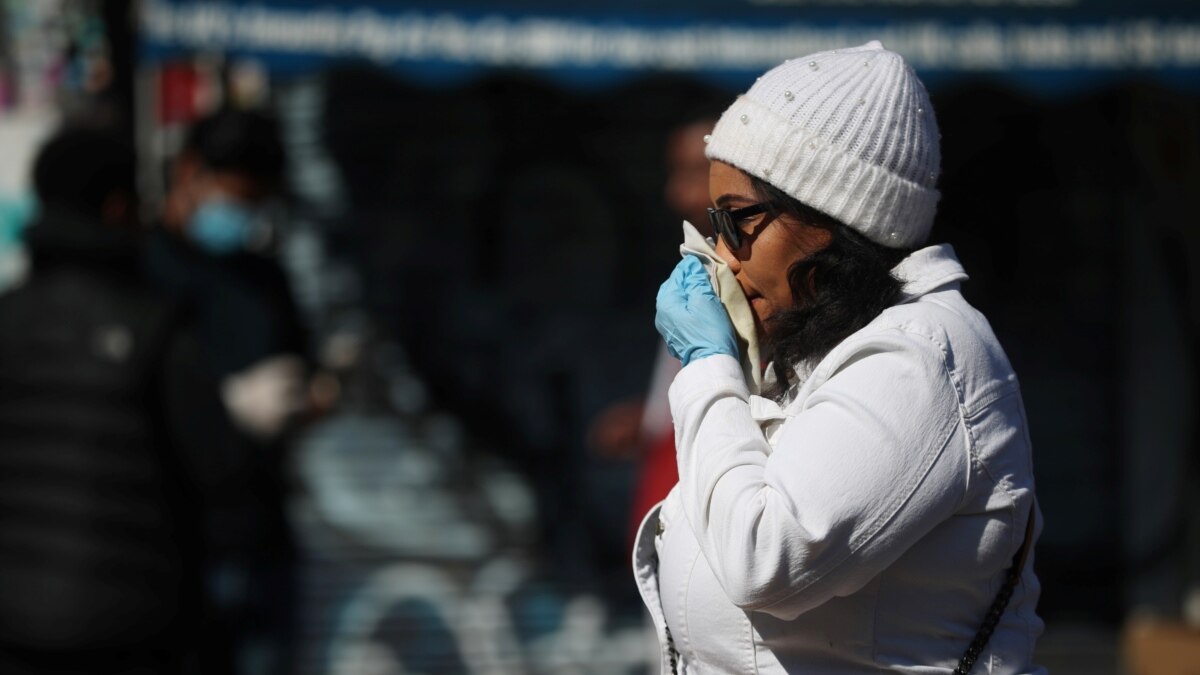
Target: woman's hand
[[690, 317]]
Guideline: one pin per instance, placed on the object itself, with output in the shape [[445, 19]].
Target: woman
[[865, 514]]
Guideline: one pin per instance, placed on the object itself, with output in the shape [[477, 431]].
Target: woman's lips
[[753, 297], [758, 304]]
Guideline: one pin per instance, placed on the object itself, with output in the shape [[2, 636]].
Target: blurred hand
[[616, 432], [262, 398], [690, 317]]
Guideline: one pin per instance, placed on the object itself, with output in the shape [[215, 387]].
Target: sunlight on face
[[770, 244]]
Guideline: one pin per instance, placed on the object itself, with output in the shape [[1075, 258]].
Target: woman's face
[[770, 244]]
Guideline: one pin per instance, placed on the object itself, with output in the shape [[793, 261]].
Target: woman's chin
[[761, 309], [760, 325]]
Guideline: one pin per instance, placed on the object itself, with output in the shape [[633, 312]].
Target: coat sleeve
[[873, 461]]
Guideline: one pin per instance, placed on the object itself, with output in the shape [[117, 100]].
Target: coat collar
[[61, 236], [929, 269]]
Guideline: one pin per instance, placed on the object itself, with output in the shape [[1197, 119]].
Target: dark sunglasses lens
[[722, 224], [729, 232]]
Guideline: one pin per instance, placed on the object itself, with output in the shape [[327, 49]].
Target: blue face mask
[[222, 227]]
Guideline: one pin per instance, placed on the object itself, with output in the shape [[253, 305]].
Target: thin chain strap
[[672, 653], [967, 662]]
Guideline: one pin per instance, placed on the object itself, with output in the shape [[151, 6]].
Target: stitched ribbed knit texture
[[849, 132]]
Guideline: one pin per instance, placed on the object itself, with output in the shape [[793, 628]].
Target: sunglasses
[[724, 222]]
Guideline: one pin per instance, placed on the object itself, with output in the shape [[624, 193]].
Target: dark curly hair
[[836, 290]]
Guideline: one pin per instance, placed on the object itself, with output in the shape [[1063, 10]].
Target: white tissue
[[730, 293]]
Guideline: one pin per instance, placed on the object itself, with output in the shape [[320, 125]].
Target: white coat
[[863, 526]]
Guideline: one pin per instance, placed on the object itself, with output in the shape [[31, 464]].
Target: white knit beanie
[[849, 132]]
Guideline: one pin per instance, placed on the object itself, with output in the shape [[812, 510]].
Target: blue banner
[[1053, 45]]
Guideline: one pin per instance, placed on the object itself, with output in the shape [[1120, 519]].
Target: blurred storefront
[[53, 55]]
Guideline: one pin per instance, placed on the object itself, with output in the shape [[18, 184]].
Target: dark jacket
[[243, 305], [243, 313], [99, 544]]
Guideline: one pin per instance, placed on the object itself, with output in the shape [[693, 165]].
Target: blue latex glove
[[690, 317]]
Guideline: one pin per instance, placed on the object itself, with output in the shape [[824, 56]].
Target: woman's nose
[[730, 257]]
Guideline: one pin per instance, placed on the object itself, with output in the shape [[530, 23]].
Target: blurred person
[[865, 505], [214, 248], [686, 192], [642, 427], [686, 189], [213, 252], [107, 422]]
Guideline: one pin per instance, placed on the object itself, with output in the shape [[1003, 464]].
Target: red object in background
[[178, 93], [659, 473]]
